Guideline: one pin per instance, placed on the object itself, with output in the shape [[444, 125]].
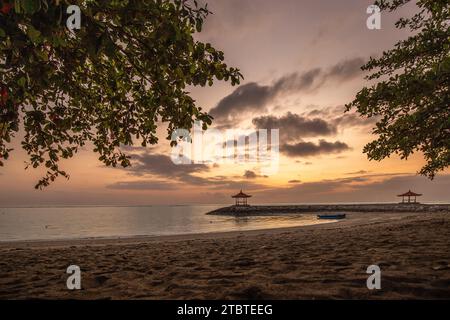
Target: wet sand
[[326, 261]]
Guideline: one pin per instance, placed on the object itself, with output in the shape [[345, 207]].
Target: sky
[[301, 62]]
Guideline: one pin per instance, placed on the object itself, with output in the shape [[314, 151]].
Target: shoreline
[[148, 238], [353, 219], [326, 208]]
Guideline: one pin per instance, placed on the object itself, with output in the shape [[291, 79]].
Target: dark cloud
[[159, 164], [296, 82], [307, 163], [338, 117], [358, 172], [294, 181], [352, 119], [248, 97], [293, 126], [306, 149], [142, 185], [248, 174], [347, 69], [255, 97], [162, 167]]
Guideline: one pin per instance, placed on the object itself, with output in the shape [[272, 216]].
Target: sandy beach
[[327, 261]]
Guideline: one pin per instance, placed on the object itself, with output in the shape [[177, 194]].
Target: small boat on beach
[[332, 216]]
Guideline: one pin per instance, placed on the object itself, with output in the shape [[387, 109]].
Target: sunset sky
[[301, 62]]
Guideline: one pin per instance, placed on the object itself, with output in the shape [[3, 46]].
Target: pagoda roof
[[409, 194], [241, 195]]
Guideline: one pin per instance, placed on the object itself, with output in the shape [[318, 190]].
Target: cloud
[[296, 82], [346, 70], [306, 149], [212, 183], [374, 188], [160, 166], [358, 172], [248, 97], [252, 96], [337, 117], [293, 126], [250, 174], [294, 181], [142, 185]]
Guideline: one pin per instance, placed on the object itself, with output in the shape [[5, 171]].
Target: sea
[[64, 223]]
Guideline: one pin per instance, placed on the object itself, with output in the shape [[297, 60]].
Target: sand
[[317, 262]]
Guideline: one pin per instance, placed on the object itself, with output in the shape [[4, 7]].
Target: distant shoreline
[[289, 209]]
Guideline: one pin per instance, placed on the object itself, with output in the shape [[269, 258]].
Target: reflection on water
[[101, 222], [241, 221]]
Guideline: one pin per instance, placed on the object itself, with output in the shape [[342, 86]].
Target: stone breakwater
[[286, 209]]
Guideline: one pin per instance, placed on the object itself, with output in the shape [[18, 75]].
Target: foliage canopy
[[412, 98], [108, 83]]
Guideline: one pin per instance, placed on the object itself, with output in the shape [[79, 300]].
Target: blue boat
[[331, 216]]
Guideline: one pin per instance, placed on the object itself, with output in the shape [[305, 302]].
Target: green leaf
[[29, 6], [34, 34], [22, 82]]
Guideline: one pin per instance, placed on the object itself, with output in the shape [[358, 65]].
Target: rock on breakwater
[[316, 208]]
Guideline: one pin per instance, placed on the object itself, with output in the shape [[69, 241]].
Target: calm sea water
[[110, 222]]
